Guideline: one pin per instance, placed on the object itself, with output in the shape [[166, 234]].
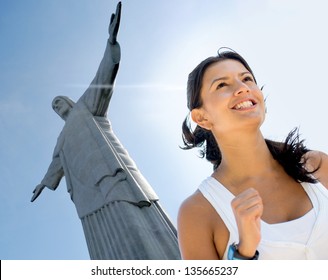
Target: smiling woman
[[257, 184]]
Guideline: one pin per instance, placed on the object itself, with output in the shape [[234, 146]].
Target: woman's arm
[[195, 230]]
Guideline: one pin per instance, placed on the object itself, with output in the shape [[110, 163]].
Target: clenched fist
[[248, 209]]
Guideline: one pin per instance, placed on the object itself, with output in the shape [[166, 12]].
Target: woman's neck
[[245, 157]]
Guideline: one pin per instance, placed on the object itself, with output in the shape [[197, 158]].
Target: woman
[[265, 199]]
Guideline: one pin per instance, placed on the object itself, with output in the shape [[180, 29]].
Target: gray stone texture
[[119, 210]]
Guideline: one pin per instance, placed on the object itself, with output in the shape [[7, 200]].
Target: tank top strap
[[220, 198], [319, 198], [318, 195]]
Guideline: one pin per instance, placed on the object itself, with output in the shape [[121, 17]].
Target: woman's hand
[[248, 209]]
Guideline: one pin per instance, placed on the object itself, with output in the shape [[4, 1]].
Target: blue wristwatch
[[233, 254]]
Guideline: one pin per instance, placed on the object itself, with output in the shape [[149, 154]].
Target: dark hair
[[288, 153]]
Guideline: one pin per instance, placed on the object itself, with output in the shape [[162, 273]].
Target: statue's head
[[62, 105]]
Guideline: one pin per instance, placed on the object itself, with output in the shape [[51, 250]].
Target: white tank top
[[299, 239]]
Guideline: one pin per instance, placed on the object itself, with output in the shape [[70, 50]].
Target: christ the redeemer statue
[[119, 211]]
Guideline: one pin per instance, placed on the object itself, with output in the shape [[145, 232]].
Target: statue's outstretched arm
[[51, 179], [98, 95]]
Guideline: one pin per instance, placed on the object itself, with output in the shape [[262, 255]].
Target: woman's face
[[231, 99]]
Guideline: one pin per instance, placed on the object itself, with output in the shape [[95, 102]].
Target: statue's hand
[[38, 189], [114, 24]]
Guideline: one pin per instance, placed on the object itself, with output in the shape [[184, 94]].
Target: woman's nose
[[241, 88]]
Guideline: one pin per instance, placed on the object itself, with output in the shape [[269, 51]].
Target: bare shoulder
[[197, 226], [194, 203], [315, 159]]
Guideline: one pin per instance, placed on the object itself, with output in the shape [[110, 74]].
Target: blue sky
[[51, 48]]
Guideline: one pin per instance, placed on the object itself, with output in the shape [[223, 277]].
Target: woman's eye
[[221, 85], [248, 79]]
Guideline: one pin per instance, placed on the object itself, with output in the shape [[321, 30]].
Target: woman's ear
[[199, 116]]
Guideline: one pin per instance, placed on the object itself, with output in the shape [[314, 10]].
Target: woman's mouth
[[244, 105]]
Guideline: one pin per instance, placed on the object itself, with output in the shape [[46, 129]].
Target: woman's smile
[[244, 105]]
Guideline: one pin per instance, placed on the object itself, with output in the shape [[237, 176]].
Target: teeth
[[245, 104]]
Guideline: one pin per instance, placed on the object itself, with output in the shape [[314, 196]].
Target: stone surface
[[119, 210]]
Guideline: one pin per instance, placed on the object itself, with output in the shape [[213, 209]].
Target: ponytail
[[203, 139]]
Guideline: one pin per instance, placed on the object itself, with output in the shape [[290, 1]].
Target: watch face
[[231, 251], [233, 254]]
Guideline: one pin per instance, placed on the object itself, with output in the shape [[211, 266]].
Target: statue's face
[[61, 107]]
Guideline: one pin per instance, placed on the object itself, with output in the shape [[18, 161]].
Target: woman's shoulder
[[317, 162], [194, 203], [313, 159], [196, 210]]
